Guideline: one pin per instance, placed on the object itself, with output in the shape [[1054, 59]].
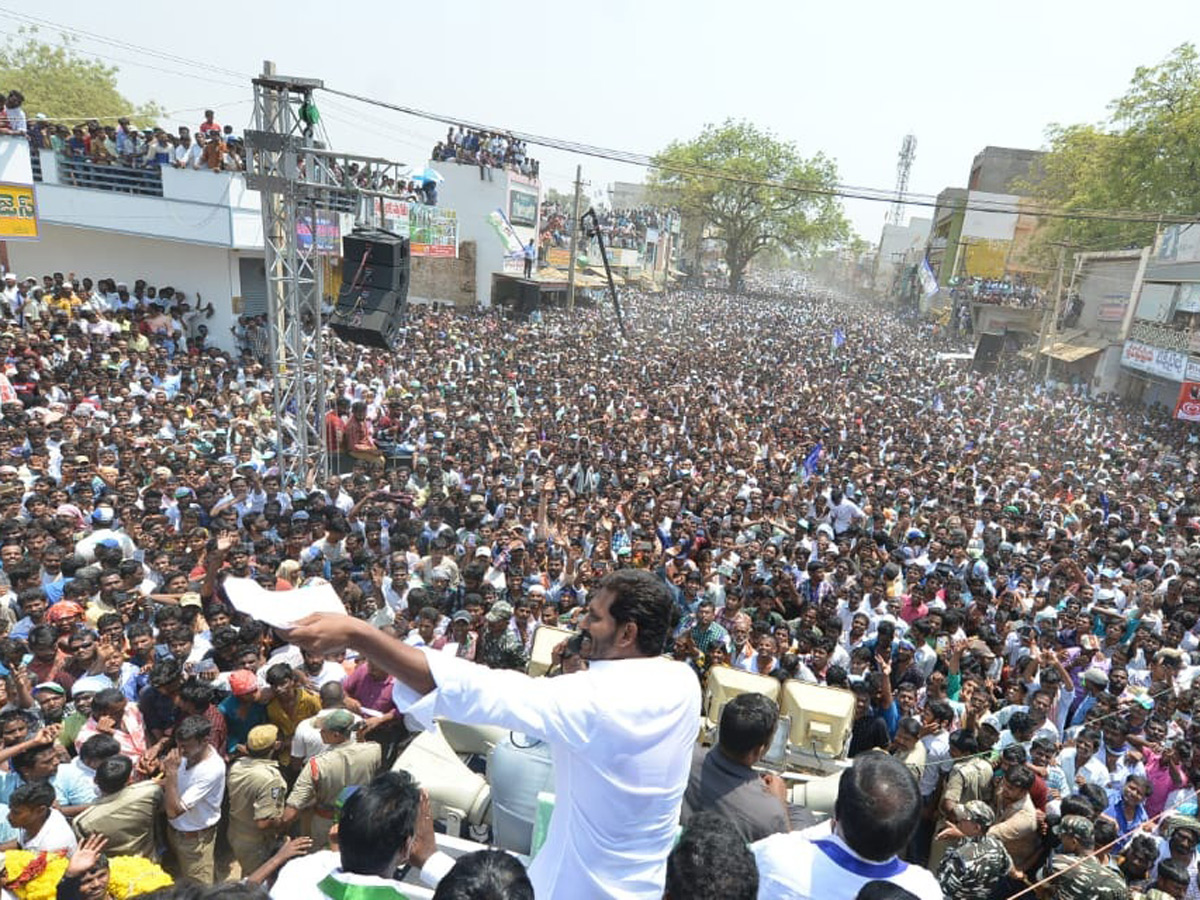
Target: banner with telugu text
[[18, 213]]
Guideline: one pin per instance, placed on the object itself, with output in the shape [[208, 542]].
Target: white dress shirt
[[300, 878], [201, 790], [817, 863], [621, 733]]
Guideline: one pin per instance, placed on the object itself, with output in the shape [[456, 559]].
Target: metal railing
[[121, 179]]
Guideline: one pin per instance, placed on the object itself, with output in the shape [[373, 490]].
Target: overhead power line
[[877, 195]]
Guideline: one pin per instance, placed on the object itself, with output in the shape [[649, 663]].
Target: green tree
[[1144, 158], [750, 190], [64, 84]]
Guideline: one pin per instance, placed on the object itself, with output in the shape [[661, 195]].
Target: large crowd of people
[[488, 150], [1004, 576], [121, 144]]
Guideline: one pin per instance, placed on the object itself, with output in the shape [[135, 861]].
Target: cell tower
[[908, 152]]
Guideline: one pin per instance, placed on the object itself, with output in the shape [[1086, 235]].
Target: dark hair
[[1096, 796], [485, 875], [1168, 869], [376, 821], [113, 774], [909, 725], [942, 711], [883, 890], [1019, 777], [712, 862], [99, 746], [964, 741], [1077, 805], [193, 728], [1020, 724], [280, 673], [196, 692], [107, 698], [165, 671], [641, 598], [36, 793], [878, 806], [747, 722], [27, 757]]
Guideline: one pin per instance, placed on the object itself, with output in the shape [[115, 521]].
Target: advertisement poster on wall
[[18, 213], [432, 231], [327, 226], [1188, 406], [522, 208]]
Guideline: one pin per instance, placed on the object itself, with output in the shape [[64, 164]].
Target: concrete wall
[[1105, 286], [474, 199], [439, 280], [998, 169], [88, 252]]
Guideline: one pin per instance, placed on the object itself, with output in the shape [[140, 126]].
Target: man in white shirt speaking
[[876, 812], [621, 730]]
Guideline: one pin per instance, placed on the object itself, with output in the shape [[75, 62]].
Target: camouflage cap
[[978, 812], [1076, 827]]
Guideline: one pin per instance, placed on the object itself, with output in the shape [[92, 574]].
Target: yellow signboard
[[986, 259], [18, 213]]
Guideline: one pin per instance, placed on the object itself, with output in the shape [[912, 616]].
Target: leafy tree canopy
[[751, 191], [65, 84]]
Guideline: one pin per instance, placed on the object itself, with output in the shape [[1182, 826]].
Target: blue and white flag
[[938, 406], [929, 283], [839, 338], [810, 461]]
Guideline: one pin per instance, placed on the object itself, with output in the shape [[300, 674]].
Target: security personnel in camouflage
[[1077, 874], [498, 647], [974, 868]]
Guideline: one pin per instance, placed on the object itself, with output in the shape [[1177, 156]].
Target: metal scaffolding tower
[[296, 176], [908, 152]]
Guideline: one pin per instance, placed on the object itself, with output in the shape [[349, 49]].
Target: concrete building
[[980, 231], [199, 232], [899, 246], [1162, 348], [1084, 343], [498, 213], [626, 195]]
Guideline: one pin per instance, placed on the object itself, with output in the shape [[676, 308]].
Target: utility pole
[[1050, 325], [574, 239]]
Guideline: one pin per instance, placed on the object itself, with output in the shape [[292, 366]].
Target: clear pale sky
[[848, 78]]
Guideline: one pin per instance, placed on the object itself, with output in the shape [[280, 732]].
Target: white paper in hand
[[281, 609]]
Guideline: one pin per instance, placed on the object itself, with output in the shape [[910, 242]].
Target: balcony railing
[[83, 173], [1160, 336]]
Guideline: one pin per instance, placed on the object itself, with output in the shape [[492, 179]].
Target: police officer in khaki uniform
[[128, 815], [324, 777], [256, 791]]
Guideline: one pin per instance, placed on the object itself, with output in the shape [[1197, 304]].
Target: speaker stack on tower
[[374, 297]]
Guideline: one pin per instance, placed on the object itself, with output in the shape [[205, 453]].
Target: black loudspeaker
[[369, 316], [987, 352], [374, 295], [382, 248]]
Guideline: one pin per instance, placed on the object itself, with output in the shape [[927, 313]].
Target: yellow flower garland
[[35, 876]]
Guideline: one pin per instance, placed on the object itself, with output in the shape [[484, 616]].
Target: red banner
[[1188, 406]]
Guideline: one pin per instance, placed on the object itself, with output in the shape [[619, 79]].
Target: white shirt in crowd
[[620, 752], [201, 790], [817, 863], [300, 879], [55, 834]]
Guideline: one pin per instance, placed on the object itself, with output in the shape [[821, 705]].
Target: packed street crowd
[[1004, 577]]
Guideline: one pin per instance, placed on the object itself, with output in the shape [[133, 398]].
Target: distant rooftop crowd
[[488, 150]]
